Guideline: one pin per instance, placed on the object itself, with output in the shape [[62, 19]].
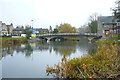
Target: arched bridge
[[58, 35]]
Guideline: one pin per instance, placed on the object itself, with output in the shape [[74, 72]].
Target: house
[[33, 35], [41, 30], [37, 31], [106, 25], [4, 30], [10, 28], [18, 30], [111, 28], [0, 27]]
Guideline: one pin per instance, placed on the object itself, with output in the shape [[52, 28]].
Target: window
[[118, 23]]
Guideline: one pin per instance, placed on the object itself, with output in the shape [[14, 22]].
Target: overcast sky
[[52, 12]]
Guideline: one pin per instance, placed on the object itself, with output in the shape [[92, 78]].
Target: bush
[[104, 64]]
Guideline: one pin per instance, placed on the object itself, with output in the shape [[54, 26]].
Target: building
[[10, 28], [111, 28], [0, 27], [4, 30], [106, 26], [18, 30], [37, 31], [41, 31]]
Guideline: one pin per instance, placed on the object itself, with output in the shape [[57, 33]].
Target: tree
[[27, 32], [116, 11], [66, 28], [93, 26], [50, 29], [83, 29], [55, 31], [93, 23]]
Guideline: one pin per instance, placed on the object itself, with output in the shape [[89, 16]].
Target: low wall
[[16, 36]]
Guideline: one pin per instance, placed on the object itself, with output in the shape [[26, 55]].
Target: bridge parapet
[[91, 34], [60, 34], [69, 34]]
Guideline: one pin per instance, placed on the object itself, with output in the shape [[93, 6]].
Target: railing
[[59, 34]]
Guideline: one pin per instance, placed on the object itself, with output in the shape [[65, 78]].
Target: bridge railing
[[95, 34], [59, 34], [91, 33]]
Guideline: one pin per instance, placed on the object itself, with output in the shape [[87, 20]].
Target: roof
[[8, 25], [105, 19], [40, 29], [3, 24], [18, 29], [114, 23]]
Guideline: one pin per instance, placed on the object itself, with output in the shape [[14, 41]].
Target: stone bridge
[[49, 37]]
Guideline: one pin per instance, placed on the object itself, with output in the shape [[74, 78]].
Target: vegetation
[[10, 38], [116, 11], [8, 41], [91, 26], [104, 64], [55, 31], [83, 29], [66, 28], [28, 32], [93, 23]]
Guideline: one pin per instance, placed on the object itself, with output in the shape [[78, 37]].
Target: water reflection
[[31, 59], [64, 48], [60, 48]]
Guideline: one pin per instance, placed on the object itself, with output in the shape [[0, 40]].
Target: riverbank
[[8, 41], [104, 64]]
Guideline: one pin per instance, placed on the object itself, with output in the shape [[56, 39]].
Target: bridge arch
[[43, 38], [56, 38]]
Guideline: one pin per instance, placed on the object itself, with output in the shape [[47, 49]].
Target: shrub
[[104, 64]]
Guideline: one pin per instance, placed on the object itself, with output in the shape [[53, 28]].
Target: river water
[[30, 60]]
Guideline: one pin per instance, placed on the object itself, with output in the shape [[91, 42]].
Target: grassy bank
[[10, 38], [104, 64], [8, 41]]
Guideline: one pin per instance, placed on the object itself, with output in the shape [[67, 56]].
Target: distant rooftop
[[105, 19], [41, 29], [3, 24], [18, 29]]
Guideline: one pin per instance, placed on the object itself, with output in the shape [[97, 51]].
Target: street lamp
[[32, 23]]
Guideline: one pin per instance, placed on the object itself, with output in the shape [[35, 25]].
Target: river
[[30, 60]]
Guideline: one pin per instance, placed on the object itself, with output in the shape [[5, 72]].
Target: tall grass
[[104, 64]]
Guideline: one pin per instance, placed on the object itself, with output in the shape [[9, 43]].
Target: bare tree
[[116, 11], [93, 23]]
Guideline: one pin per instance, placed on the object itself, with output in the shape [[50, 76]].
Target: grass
[[104, 64], [10, 38], [9, 41]]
